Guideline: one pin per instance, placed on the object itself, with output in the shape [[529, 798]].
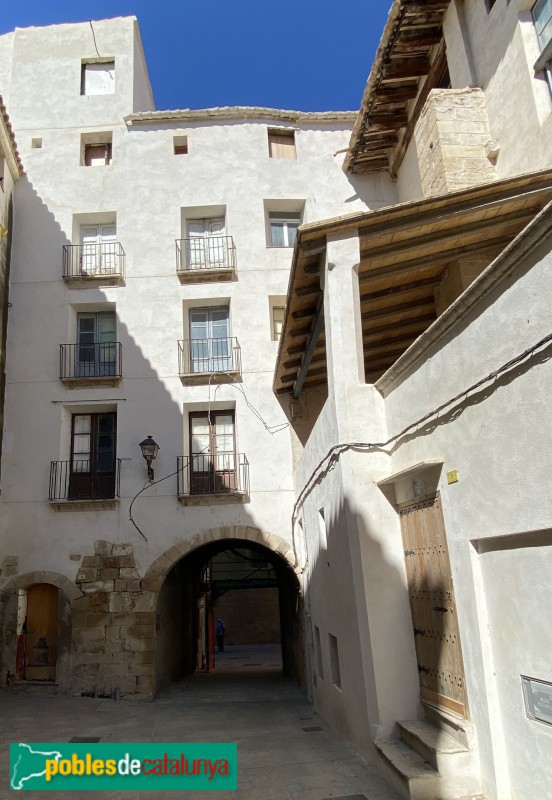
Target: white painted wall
[[145, 188]]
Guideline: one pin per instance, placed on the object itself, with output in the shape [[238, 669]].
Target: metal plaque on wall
[[538, 699]]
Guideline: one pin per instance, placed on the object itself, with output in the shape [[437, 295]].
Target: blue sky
[[309, 55]]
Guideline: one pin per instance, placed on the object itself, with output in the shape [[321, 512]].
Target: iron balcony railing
[[196, 356], [94, 360], [211, 252], [103, 260], [85, 479], [220, 473]]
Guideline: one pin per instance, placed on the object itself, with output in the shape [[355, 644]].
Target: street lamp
[[149, 449]]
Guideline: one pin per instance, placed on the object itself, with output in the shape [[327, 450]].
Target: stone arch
[[66, 585], [8, 624], [158, 571]]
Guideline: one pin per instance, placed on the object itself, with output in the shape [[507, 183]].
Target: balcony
[[94, 364], [76, 484], [209, 360], [96, 263], [206, 479], [199, 259]]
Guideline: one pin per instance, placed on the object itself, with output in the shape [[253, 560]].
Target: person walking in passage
[[219, 633]]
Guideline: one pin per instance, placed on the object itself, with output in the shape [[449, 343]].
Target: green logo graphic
[[157, 766]]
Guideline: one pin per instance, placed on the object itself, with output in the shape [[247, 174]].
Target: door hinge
[[410, 552]]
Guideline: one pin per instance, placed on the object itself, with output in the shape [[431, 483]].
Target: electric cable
[[334, 453]]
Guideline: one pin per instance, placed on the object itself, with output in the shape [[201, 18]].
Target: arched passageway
[[251, 587]]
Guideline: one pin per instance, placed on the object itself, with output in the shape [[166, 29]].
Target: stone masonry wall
[[113, 625], [452, 139]]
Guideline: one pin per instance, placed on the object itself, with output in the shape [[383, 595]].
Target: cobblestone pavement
[[244, 700]]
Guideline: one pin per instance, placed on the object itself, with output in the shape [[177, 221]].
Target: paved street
[[244, 700]]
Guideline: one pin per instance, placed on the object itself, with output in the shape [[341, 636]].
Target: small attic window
[[36, 143], [180, 145], [98, 77], [281, 144]]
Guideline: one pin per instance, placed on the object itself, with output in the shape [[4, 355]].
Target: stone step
[[433, 744], [455, 726], [412, 775]]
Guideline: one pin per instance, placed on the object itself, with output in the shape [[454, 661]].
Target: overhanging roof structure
[[410, 61], [404, 250]]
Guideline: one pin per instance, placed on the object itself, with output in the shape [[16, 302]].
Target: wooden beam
[[399, 291], [400, 341], [398, 94], [308, 290], [446, 234], [316, 327], [302, 313], [400, 308], [436, 69], [415, 67], [312, 247], [400, 325]]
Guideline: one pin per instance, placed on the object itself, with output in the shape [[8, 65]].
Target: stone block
[[124, 618], [128, 573], [99, 601], [144, 618], [108, 574], [144, 668], [142, 645], [126, 562], [10, 561], [141, 631], [122, 658], [93, 648], [152, 581], [97, 586], [86, 574], [88, 635], [147, 657], [11, 570], [121, 601], [82, 604], [109, 562], [122, 550], [91, 561], [144, 601], [80, 619], [103, 548], [113, 632], [114, 646], [96, 620]]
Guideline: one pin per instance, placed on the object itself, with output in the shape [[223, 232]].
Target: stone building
[[387, 478]]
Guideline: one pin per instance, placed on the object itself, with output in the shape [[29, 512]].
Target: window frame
[[544, 62], [282, 144], [290, 221], [93, 66], [93, 483], [212, 480]]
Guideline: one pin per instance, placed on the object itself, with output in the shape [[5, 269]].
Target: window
[[334, 660], [542, 15], [281, 144], [206, 243], [96, 346], [99, 252], [97, 155], [36, 143], [98, 78], [93, 466], [323, 536], [180, 144], [318, 652], [210, 342], [212, 452], [278, 313], [283, 227]]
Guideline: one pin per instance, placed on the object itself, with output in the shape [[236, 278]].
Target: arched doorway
[[254, 589]]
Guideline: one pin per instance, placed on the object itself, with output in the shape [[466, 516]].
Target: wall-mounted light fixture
[[149, 449]]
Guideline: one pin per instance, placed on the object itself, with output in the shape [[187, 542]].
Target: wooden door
[[41, 632], [93, 465], [436, 633]]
